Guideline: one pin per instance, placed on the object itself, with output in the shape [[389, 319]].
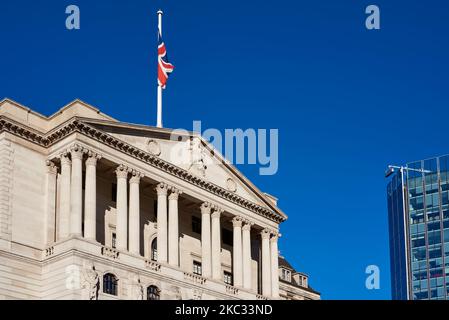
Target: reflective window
[[153, 293], [227, 278], [110, 284], [154, 250], [197, 268]]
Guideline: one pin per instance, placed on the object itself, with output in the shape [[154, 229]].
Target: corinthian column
[[274, 266], [246, 254], [173, 225], [122, 207], [266, 259], [50, 202], [216, 244], [134, 213], [64, 210], [161, 190], [76, 214], [205, 240], [237, 252], [90, 198]]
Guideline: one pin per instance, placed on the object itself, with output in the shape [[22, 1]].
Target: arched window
[[110, 284], [154, 250], [153, 293]]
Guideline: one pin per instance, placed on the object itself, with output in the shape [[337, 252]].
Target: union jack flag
[[164, 67]]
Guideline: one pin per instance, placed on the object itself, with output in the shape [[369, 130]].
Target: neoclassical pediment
[[192, 160], [192, 154]]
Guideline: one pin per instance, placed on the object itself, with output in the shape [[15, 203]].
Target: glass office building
[[418, 214]]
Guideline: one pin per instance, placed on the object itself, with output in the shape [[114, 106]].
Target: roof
[[283, 263]]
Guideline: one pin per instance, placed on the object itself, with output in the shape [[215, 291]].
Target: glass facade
[[419, 244], [398, 239]]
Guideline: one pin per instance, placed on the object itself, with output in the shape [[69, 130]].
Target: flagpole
[[159, 88]]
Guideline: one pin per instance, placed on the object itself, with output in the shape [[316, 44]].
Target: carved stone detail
[[197, 157], [122, 171], [153, 147], [231, 185], [91, 282], [109, 252]]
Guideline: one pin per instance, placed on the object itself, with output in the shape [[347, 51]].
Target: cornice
[[76, 125]]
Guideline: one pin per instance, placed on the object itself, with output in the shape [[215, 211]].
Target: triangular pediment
[[190, 152]]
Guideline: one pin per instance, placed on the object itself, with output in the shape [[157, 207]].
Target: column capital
[[174, 194], [161, 189], [247, 224], [76, 151], [51, 167], [217, 212], [275, 236], [65, 158], [122, 171], [135, 177], [237, 221], [92, 159], [265, 234], [206, 208]]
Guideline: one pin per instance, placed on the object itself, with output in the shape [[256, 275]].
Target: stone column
[[237, 252], [76, 197], [90, 198], [205, 240], [134, 213], [50, 202], [173, 227], [64, 210], [266, 259], [122, 208], [246, 255], [274, 266], [216, 244], [161, 190]]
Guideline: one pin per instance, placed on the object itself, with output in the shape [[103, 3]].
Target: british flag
[[164, 67]]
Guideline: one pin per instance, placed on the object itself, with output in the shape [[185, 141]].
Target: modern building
[[93, 208], [418, 211]]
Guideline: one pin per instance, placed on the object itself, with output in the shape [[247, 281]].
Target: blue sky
[[347, 101]]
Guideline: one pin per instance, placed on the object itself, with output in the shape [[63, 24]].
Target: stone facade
[[92, 208]]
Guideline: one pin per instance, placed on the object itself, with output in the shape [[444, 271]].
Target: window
[[155, 207], [110, 284], [114, 240], [153, 293], [197, 268], [286, 275], [114, 192], [154, 250], [227, 277], [226, 236], [196, 224]]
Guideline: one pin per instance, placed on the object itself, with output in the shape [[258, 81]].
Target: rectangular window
[[286, 275], [114, 193], [197, 268], [227, 278], [226, 237], [114, 240], [196, 224]]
